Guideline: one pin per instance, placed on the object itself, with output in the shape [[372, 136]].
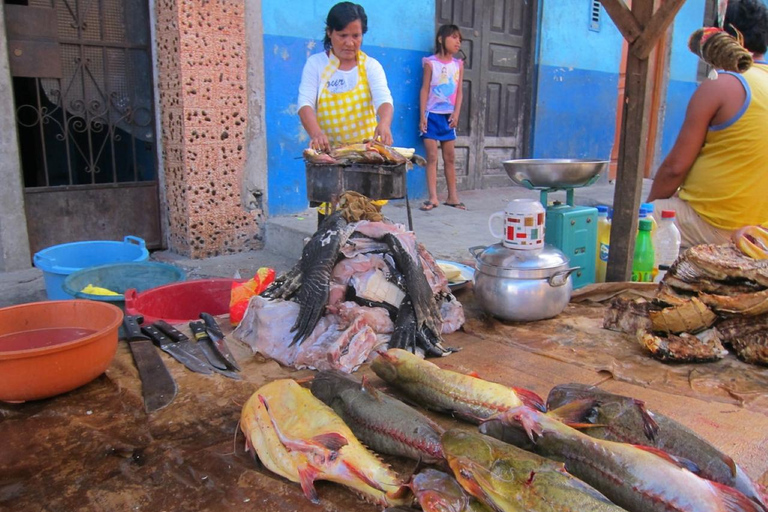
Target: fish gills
[[508, 479], [382, 422], [440, 492], [299, 438], [466, 396], [625, 419], [638, 478]]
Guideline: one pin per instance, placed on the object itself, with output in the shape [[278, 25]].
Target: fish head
[[386, 364], [328, 384], [438, 492]]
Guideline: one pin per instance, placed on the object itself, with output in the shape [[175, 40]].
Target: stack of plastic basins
[[59, 261]]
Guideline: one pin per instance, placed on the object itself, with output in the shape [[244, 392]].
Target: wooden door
[[495, 117], [82, 84]]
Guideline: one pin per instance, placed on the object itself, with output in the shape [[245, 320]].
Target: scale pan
[[554, 172]]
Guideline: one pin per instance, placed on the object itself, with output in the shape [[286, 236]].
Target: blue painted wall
[[400, 33]]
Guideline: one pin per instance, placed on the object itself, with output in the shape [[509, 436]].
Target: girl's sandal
[[460, 206], [426, 206]]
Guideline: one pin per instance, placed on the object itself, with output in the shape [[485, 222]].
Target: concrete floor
[[446, 232]]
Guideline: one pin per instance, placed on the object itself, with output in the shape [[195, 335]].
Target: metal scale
[[570, 228]]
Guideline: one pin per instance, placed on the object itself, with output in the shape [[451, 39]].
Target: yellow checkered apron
[[346, 117]]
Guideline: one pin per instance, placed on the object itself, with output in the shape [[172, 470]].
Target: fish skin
[[625, 419], [440, 492], [640, 479], [381, 422], [301, 439], [507, 479], [468, 397]]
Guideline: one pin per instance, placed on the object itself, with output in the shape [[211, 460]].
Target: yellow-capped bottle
[[603, 243]]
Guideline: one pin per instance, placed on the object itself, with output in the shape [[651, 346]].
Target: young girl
[[440, 102]]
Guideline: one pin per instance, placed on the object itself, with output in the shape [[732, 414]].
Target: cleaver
[[157, 384]]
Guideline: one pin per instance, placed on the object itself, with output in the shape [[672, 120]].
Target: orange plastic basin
[[49, 348]]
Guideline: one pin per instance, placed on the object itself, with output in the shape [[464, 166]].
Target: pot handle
[[561, 277], [475, 249]]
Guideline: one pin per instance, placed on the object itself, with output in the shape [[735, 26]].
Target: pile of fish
[[360, 286], [523, 458], [366, 152], [712, 296]]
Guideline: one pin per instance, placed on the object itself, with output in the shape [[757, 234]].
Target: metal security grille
[[83, 90]]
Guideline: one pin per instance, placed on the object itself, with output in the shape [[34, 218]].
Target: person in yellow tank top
[[716, 175], [343, 94]]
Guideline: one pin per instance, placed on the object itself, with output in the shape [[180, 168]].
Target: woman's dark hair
[[341, 15], [750, 17], [443, 32]]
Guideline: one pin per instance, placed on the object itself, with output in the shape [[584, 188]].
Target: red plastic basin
[[182, 302]]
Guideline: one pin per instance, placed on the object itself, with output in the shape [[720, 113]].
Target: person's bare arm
[[317, 139], [383, 131], [453, 122], [423, 95], [710, 98]]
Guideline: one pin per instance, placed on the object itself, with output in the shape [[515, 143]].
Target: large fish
[[626, 420], [298, 437], [465, 396], [508, 479], [383, 423], [638, 478], [440, 492]]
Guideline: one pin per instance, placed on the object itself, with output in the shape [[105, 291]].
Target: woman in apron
[[343, 95]]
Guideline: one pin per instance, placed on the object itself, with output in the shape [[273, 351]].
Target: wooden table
[[96, 449]]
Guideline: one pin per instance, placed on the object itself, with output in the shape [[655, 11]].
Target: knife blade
[[176, 351], [157, 385], [206, 344], [219, 342], [182, 340]]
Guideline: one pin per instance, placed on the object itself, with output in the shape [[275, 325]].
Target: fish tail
[[735, 501], [307, 477]]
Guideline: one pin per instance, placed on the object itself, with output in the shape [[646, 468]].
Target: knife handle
[[171, 331], [132, 329], [211, 323], [198, 330], [157, 336]]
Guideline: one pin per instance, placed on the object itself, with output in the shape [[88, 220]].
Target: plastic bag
[[242, 293]]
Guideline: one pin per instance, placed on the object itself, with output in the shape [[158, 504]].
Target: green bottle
[[642, 263]]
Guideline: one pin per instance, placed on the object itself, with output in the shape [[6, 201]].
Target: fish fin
[[679, 461], [576, 412], [530, 399], [474, 374], [331, 440], [362, 476], [650, 427], [366, 386], [524, 417], [307, 475], [734, 500]]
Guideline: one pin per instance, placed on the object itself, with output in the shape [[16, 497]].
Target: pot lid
[[502, 261]]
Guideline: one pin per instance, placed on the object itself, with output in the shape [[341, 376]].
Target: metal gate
[[499, 37], [82, 83]]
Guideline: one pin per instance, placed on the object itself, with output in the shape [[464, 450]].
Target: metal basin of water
[[554, 172]]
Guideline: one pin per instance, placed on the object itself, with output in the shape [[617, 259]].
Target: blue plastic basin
[[119, 277], [59, 261]]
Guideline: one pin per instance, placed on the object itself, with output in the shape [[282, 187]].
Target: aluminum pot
[[522, 285]]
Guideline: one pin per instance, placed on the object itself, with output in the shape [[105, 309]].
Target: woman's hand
[[423, 125], [453, 120], [319, 141], [383, 134]]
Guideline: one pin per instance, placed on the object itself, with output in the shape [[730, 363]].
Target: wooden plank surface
[[96, 449]]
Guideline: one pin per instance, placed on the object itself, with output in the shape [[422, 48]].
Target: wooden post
[[634, 125]]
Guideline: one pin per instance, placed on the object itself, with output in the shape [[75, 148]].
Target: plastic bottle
[[603, 243], [643, 261], [666, 242], [648, 208]]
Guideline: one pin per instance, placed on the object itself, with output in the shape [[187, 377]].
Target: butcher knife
[[214, 331], [157, 385], [176, 351], [182, 340], [206, 344]]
